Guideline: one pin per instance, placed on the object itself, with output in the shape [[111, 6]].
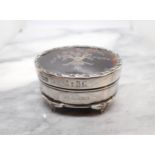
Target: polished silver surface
[[80, 83], [77, 76], [79, 97]]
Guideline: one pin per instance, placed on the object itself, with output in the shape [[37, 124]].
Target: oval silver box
[[78, 77]]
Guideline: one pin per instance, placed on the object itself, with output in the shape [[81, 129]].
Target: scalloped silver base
[[101, 106]]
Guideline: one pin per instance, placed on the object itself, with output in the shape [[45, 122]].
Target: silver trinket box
[[78, 77]]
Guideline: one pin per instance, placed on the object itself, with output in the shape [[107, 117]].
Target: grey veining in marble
[[22, 110]]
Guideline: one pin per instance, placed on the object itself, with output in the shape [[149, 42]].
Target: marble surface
[[22, 110]]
